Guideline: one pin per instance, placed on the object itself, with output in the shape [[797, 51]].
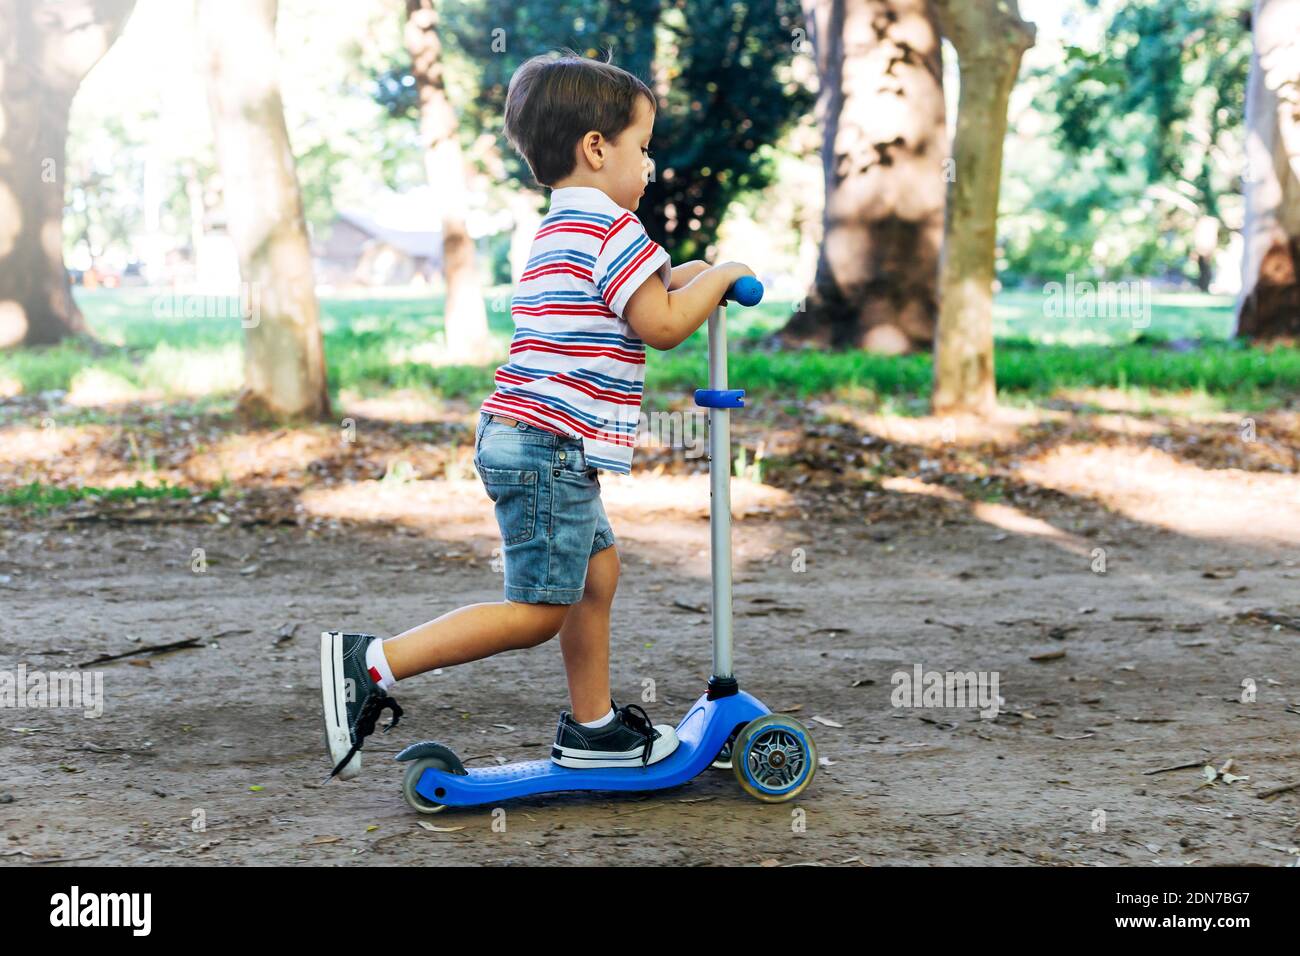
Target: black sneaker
[[352, 700], [628, 740]]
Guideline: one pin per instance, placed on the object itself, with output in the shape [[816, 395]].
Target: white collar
[[581, 195]]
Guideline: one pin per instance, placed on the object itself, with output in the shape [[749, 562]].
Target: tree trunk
[[1269, 307], [464, 317], [990, 39], [880, 108], [284, 361], [1205, 244], [46, 49]]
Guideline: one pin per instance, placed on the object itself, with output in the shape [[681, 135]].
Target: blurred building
[[396, 240], [359, 249]]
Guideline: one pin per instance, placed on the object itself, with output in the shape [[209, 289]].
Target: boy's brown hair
[[554, 99]]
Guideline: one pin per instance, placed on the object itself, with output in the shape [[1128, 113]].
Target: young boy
[[595, 292]]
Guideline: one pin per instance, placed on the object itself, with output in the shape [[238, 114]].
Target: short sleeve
[[626, 259]]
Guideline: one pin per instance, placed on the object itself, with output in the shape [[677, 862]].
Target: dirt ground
[[212, 754]]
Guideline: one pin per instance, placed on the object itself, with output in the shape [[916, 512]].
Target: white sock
[[377, 664], [600, 722]]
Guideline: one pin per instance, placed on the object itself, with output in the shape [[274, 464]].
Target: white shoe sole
[[590, 760], [334, 704]]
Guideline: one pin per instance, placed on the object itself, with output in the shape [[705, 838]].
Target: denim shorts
[[548, 508]]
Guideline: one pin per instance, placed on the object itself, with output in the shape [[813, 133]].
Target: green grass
[[1029, 315], [369, 341], [40, 498]]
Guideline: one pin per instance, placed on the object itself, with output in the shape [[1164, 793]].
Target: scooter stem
[[720, 496]]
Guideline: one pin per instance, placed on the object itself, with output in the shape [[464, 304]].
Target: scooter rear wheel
[[414, 772], [774, 758]]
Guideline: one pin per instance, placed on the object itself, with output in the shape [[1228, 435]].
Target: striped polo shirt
[[576, 367]]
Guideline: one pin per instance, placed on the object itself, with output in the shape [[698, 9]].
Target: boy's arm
[[685, 272], [664, 319]]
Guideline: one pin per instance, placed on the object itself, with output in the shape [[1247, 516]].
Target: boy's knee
[[543, 623]]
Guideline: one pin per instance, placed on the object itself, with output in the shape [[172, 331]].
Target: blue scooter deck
[[702, 733]]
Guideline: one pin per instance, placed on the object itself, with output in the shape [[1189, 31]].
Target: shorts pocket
[[514, 493], [576, 463]]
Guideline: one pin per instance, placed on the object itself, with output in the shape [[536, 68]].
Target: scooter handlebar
[[746, 291]]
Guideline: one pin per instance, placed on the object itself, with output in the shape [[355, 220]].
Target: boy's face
[[628, 166]]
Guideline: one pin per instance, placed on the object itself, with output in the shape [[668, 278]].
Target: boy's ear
[[592, 147]]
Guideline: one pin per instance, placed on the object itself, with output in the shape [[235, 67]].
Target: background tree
[[102, 206], [990, 39], [720, 70], [1159, 105], [347, 143], [464, 318], [881, 112], [726, 95], [284, 362], [1270, 302], [46, 48]]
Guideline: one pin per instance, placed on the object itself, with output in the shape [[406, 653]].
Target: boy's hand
[[735, 270], [664, 319]]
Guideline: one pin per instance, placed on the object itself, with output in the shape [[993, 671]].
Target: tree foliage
[[1177, 70], [724, 65], [1149, 121]]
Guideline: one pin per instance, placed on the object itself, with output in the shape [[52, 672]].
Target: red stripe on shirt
[[510, 405], [558, 268], [629, 270], [618, 398], [584, 228], [623, 220], [579, 351], [603, 394], [563, 309]]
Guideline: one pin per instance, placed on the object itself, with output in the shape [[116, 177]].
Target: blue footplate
[[702, 733]]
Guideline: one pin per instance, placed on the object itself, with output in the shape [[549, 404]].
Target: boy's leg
[[471, 633], [354, 681], [628, 740], [584, 638]]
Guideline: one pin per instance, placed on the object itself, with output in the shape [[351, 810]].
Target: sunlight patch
[[99, 388], [1157, 488], [1010, 519], [404, 405], [686, 494], [1119, 400], [266, 454], [931, 431], [19, 444], [192, 372]]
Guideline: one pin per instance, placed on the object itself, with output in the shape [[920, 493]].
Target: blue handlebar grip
[[720, 398], [746, 290]]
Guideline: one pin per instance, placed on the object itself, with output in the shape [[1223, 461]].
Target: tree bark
[[284, 360], [990, 39], [46, 49], [1269, 306], [880, 107], [464, 317]]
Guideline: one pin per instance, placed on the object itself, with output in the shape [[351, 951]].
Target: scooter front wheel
[[774, 758]]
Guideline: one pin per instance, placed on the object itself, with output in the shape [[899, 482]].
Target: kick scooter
[[772, 755]]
